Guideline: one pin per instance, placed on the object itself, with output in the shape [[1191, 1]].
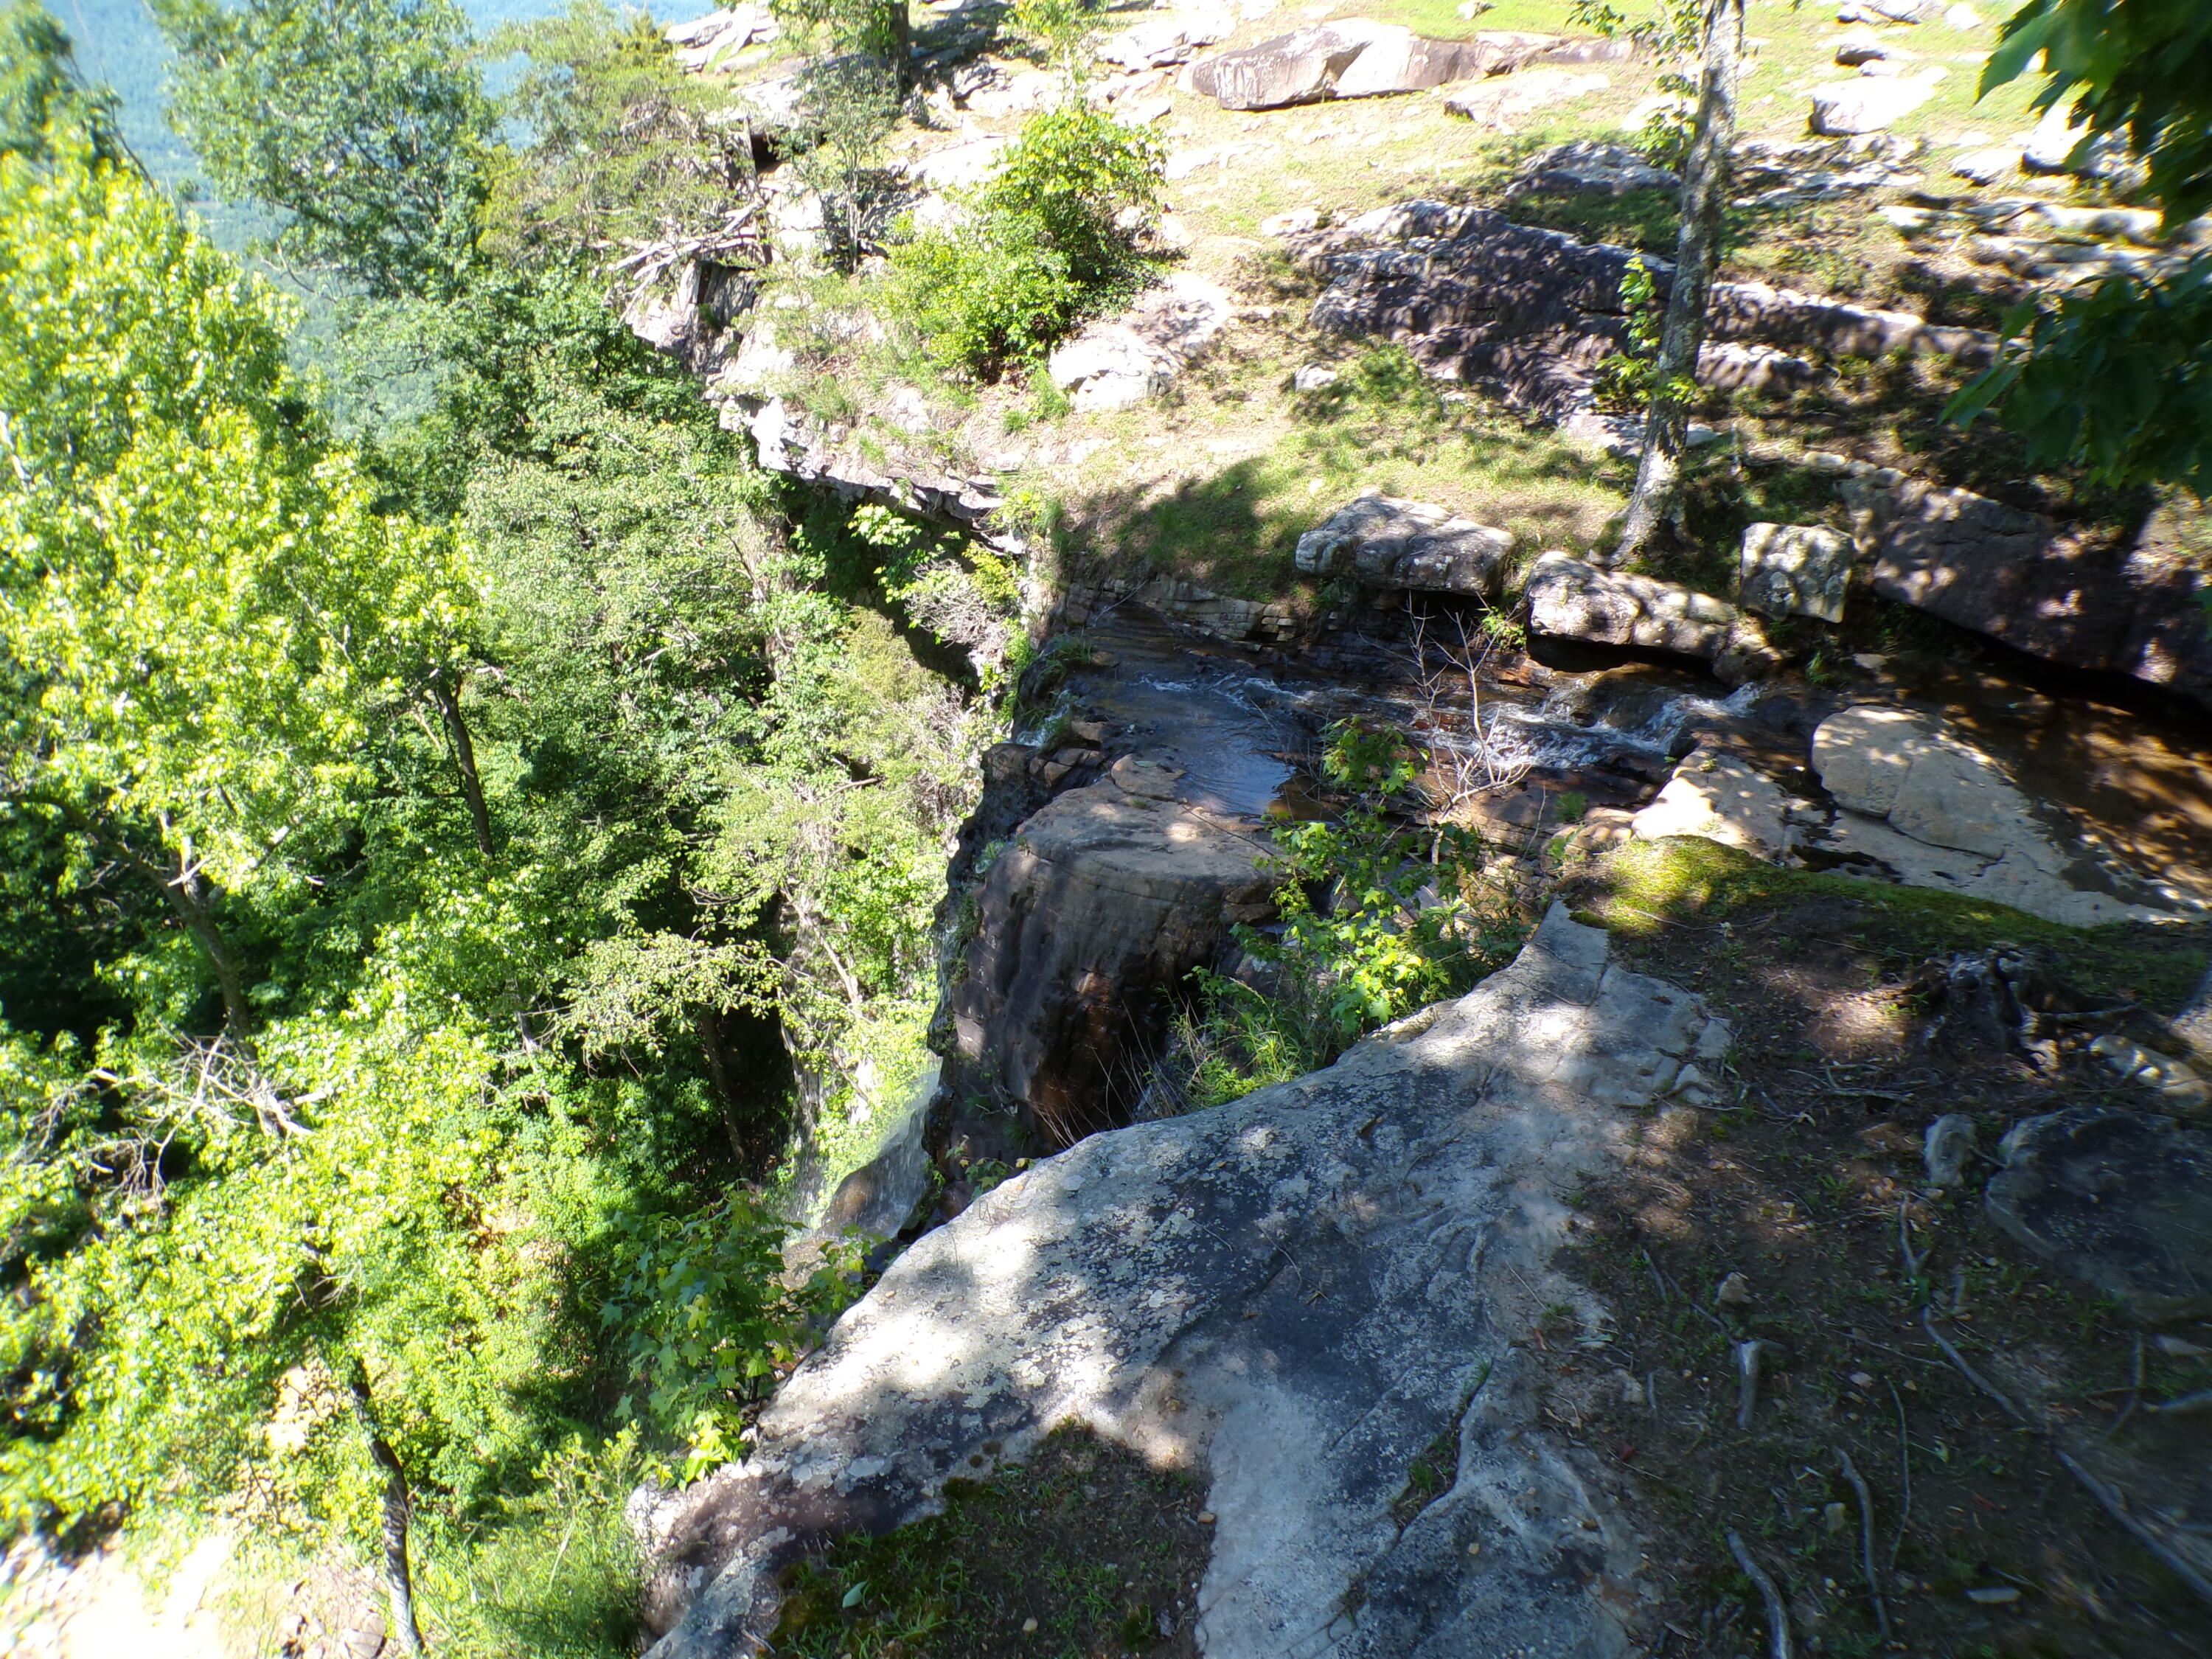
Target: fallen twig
[[2112, 1501], [1904, 1477], [1778, 1616], [2134, 1392], [1866, 1539]]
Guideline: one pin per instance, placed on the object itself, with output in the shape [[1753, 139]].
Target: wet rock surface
[[1101, 903], [1938, 812], [2121, 1201], [1297, 1295]]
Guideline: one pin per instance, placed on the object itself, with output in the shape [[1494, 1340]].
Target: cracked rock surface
[[1296, 1295]]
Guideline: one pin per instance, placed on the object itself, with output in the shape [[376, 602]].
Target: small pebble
[[1474, 1549], [1206, 1517], [1862, 1380], [1994, 1595], [1029, 1627]]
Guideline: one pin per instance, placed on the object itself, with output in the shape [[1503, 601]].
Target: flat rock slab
[[1937, 812], [2120, 1201], [1720, 797], [1586, 167], [1298, 1295], [1571, 599], [1113, 364], [1868, 104], [1385, 542]]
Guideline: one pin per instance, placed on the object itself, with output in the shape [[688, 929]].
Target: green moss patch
[[1081, 1552], [1643, 888]]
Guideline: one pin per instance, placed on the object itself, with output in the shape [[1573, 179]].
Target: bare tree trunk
[[708, 1023], [399, 1509], [898, 42], [1704, 200], [448, 698]]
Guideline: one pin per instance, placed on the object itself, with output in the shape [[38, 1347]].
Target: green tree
[[203, 612], [2116, 377], [879, 29], [621, 152], [42, 93], [361, 123]]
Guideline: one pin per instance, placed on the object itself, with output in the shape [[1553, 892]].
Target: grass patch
[[1080, 1551], [1641, 887]]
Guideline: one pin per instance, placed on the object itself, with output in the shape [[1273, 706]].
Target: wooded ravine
[[1080, 829]]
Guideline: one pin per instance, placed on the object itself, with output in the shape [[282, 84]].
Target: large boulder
[[1935, 811], [1588, 168], [1796, 569], [1299, 68], [1571, 599], [1868, 104], [2085, 597], [1475, 296], [1101, 904], [1296, 1297], [1385, 542], [1123, 361], [2119, 1200], [1356, 58]]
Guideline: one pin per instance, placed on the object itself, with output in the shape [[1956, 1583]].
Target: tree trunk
[[398, 1507], [709, 1024], [448, 699], [898, 44], [1704, 201], [193, 906]]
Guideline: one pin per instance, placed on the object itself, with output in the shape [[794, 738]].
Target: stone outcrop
[[1113, 364], [1475, 296], [1354, 57], [2119, 1200], [706, 43], [1294, 1296], [1796, 569], [1384, 541], [1868, 104], [1720, 797], [1570, 599], [1586, 167], [2089, 599], [1099, 905], [1501, 100], [1936, 812]]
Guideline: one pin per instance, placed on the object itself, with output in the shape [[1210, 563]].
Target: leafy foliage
[[620, 149], [361, 121], [43, 100], [1373, 924], [1052, 237], [2117, 378]]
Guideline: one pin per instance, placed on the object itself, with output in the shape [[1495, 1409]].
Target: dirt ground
[[1983, 1543]]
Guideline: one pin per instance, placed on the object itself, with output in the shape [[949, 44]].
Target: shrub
[[988, 294], [1052, 238]]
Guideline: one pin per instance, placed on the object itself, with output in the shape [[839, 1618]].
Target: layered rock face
[[1294, 1296], [1103, 901], [1353, 58], [1475, 296], [2090, 601]]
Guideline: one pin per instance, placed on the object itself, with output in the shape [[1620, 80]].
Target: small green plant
[[708, 1320], [1624, 380], [1570, 805], [1050, 240]]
